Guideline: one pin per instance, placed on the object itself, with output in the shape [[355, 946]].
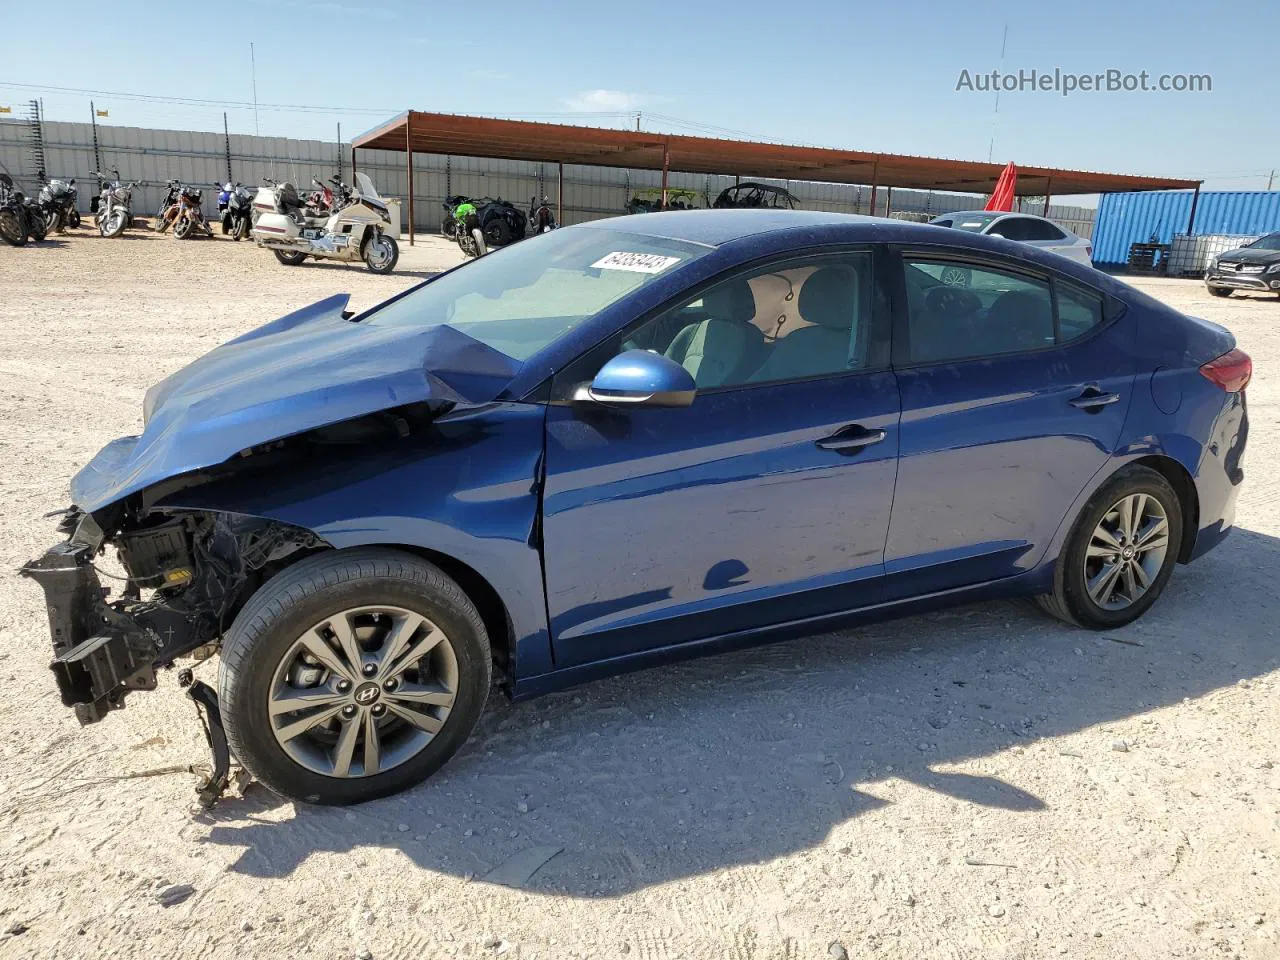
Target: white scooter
[[356, 229]]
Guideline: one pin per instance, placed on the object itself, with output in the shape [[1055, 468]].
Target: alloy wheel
[[1126, 552], [363, 691]]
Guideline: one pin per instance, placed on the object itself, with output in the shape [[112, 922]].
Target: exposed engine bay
[[186, 575]]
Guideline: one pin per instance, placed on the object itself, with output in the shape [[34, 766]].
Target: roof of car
[[714, 227], [991, 214]]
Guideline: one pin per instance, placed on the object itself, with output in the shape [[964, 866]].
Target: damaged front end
[[185, 575]]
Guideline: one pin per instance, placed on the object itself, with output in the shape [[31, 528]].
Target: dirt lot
[[979, 783]]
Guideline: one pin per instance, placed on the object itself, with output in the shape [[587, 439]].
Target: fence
[[154, 156]]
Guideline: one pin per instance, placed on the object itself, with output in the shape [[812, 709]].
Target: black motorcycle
[[235, 210], [20, 215], [58, 203]]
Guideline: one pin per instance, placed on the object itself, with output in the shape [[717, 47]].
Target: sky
[[867, 76]]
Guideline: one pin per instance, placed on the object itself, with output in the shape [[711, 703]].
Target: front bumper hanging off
[[99, 654]]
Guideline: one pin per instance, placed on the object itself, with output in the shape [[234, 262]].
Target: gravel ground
[[981, 782]]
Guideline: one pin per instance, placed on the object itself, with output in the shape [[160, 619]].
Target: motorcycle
[[111, 208], [167, 212], [58, 203], [20, 215], [235, 207], [466, 230], [449, 225], [541, 218], [355, 228], [190, 216]]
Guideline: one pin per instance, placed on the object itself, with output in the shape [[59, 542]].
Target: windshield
[[1270, 242], [520, 298], [365, 186]]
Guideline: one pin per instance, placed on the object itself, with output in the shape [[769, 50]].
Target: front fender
[[468, 488]]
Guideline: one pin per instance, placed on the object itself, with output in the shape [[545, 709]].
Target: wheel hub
[[1126, 552], [363, 691]]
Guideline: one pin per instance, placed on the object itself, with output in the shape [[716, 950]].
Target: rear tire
[[290, 258], [262, 641], [1079, 564], [1220, 291]]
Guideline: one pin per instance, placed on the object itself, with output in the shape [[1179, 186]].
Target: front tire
[[114, 224], [381, 253], [12, 230], [290, 258], [313, 724], [1220, 291], [1120, 553], [182, 228], [72, 220]]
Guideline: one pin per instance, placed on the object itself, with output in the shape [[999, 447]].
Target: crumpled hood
[[302, 371]]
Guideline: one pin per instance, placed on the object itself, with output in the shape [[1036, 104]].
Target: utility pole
[[93, 118], [339, 151], [638, 123], [253, 72], [226, 140], [1271, 179], [995, 114]]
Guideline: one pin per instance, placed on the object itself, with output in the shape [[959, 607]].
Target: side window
[[1042, 230], [959, 311], [1010, 228], [787, 322], [1079, 311]]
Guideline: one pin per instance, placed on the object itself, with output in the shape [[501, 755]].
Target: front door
[[1013, 397], [765, 501]]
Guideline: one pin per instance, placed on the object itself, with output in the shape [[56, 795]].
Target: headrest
[[731, 301], [829, 297]]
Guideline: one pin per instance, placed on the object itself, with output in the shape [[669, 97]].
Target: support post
[[1191, 220], [875, 178], [408, 152], [888, 200], [340, 152], [560, 194], [666, 167], [1048, 192], [353, 161]]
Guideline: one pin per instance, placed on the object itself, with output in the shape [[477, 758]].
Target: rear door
[[1013, 397], [765, 501]]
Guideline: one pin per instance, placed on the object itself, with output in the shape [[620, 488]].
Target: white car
[[1023, 227]]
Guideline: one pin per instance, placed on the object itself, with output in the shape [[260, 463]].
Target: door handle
[[1093, 400], [851, 439]]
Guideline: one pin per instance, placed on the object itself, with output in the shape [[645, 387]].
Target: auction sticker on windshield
[[635, 262]]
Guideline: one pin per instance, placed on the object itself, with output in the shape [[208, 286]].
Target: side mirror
[[643, 378]]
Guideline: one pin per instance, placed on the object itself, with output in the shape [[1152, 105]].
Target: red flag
[[1002, 196]]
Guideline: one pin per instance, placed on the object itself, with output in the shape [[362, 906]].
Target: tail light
[[1231, 371]]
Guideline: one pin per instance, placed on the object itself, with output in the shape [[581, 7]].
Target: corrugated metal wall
[[1128, 218], [155, 156]]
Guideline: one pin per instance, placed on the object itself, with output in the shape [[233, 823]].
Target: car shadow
[[745, 757]]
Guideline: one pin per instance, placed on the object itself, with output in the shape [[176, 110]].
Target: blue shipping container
[[1128, 218]]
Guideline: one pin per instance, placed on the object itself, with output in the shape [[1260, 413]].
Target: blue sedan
[[620, 444]]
